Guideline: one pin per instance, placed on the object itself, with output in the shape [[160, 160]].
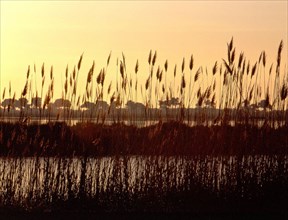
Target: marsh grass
[[215, 142], [236, 88], [128, 184], [248, 114]]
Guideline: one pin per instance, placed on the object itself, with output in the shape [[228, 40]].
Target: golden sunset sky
[[58, 32]]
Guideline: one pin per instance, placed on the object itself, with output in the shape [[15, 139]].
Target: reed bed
[[235, 89], [237, 108], [173, 138], [206, 141], [128, 184]]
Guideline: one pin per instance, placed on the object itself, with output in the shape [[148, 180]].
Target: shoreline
[[167, 139]]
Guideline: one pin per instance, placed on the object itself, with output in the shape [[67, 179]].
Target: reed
[[144, 184], [218, 137], [231, 93]]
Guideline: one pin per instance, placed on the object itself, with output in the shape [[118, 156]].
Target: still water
[[144, 123], [28, 179]]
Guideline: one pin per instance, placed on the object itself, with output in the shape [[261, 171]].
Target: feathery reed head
[[248, 68], [136, 67], [24, 92], [197, 74], [214, 70], [79, 62], [233, 56], [271, 68], [231, 44], [264, 59], [66, 72], [42, 70], [108, 59], [150, 57], [228, 67], [283, 93], [158, 73], [28, 71], [240, 59], [154, 58], [191, 63], [279, 55], [183, 83], [51, 73], [74, 73], [147, 83], [122, 69], [175, 70], [183, 65], [160, 76], [254, 69], [280, 48], [166, 65]]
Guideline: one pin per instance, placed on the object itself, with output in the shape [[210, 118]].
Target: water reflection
[[28, 179], [144, 123]]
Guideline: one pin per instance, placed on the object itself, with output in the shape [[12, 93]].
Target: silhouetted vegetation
[[198, 184], [173, 138], [233, 91], [216, 142]]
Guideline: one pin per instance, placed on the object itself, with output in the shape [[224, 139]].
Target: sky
[[58, 32]]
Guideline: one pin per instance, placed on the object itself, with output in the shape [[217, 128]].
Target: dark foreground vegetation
[[171, 138], [198, 184], [270, 200]]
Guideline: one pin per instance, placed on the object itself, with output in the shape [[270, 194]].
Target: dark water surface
[[31, 182]]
